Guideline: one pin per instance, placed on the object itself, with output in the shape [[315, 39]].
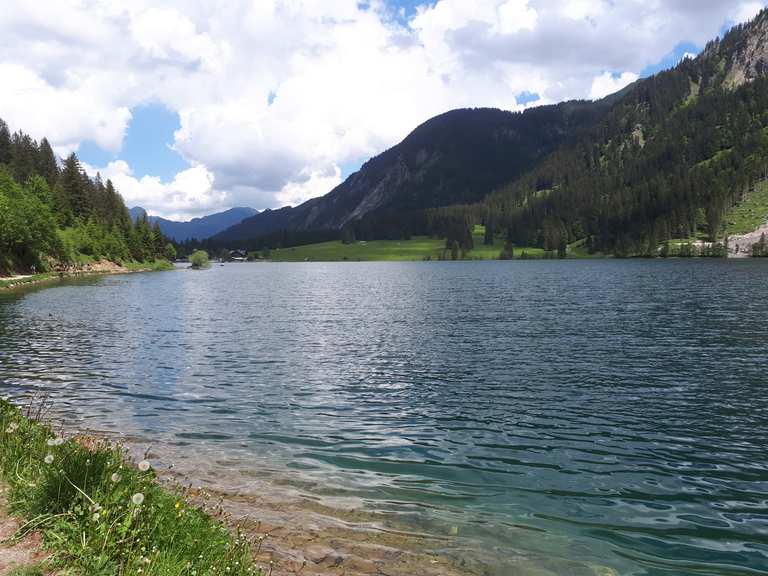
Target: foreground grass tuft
[[100, 515]]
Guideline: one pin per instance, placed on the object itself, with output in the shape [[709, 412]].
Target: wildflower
[[12, 427], [144, 465], [59, 441], [49, 459], [138, 499], [96, 516], [115, 478]]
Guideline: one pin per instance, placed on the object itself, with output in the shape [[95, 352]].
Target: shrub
[[199, 259]]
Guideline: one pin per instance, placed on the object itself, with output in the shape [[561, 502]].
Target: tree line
[[53, 215]]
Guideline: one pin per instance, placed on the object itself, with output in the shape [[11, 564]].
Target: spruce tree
[[5, 143], [47, 167], [72, 193]]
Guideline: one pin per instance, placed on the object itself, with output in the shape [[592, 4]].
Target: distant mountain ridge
[[197, 228]]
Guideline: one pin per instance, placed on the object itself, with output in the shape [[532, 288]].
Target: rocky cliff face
[[743, 53]]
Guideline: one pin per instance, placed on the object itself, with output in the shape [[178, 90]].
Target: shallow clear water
[[610, 414]]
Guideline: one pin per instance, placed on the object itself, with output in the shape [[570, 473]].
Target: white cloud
[[581, 9], [67, 114], [607, 83], [516, 15], [747, 11], [347, 80], [190, 194], [317, 184]]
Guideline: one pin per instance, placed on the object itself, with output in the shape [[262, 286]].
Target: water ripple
[[583, 415]]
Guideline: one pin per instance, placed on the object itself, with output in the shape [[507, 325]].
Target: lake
[[566, 417]]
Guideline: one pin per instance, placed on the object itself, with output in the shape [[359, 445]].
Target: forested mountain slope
[[458, 157], [670, 160]]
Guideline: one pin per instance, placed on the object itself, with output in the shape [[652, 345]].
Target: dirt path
[[13, 555]]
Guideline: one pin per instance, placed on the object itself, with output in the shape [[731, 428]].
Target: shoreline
[[299, 533], [292, 534], [95, 510], [101, 268]]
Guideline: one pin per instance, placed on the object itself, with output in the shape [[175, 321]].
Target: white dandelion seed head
[[51, 442], [49, 459], [58, 441], [115, 478], [96, 516], [138, 499], [144, 465]]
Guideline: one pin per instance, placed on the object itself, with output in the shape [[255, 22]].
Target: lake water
[[576, 417]]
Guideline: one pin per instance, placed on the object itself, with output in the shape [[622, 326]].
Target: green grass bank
[[101, 515]]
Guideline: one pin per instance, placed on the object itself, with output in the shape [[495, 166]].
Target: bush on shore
[[100, 515], [199, 259]]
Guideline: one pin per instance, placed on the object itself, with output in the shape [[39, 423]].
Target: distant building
[[238, 255]]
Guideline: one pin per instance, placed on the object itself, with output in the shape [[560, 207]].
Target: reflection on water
[[579, 417]]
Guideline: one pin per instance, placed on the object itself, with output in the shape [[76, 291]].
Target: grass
[[35, 278], [420, 248], [28, 571], [750, 214], [579, 250], [416, 249], [100, 515], [156, 266]]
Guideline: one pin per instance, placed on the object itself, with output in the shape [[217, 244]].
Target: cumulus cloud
[[273, 96], [191, 191]]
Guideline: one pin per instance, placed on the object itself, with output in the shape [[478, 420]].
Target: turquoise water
[[612, 415]]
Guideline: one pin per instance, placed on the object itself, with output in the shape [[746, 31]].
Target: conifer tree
[[47, 167], [5, 143]]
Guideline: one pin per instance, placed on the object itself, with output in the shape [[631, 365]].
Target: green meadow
[[417, 249], [750, 214]]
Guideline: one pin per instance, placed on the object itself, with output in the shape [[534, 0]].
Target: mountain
[[666, 158], [458, 157], [671, 160], [137, 213], [199, 228]]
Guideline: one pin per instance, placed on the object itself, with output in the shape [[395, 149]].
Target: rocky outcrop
[[743, 53]]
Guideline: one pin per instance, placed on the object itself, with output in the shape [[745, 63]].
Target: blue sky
[[147, 146], [283, 99]]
